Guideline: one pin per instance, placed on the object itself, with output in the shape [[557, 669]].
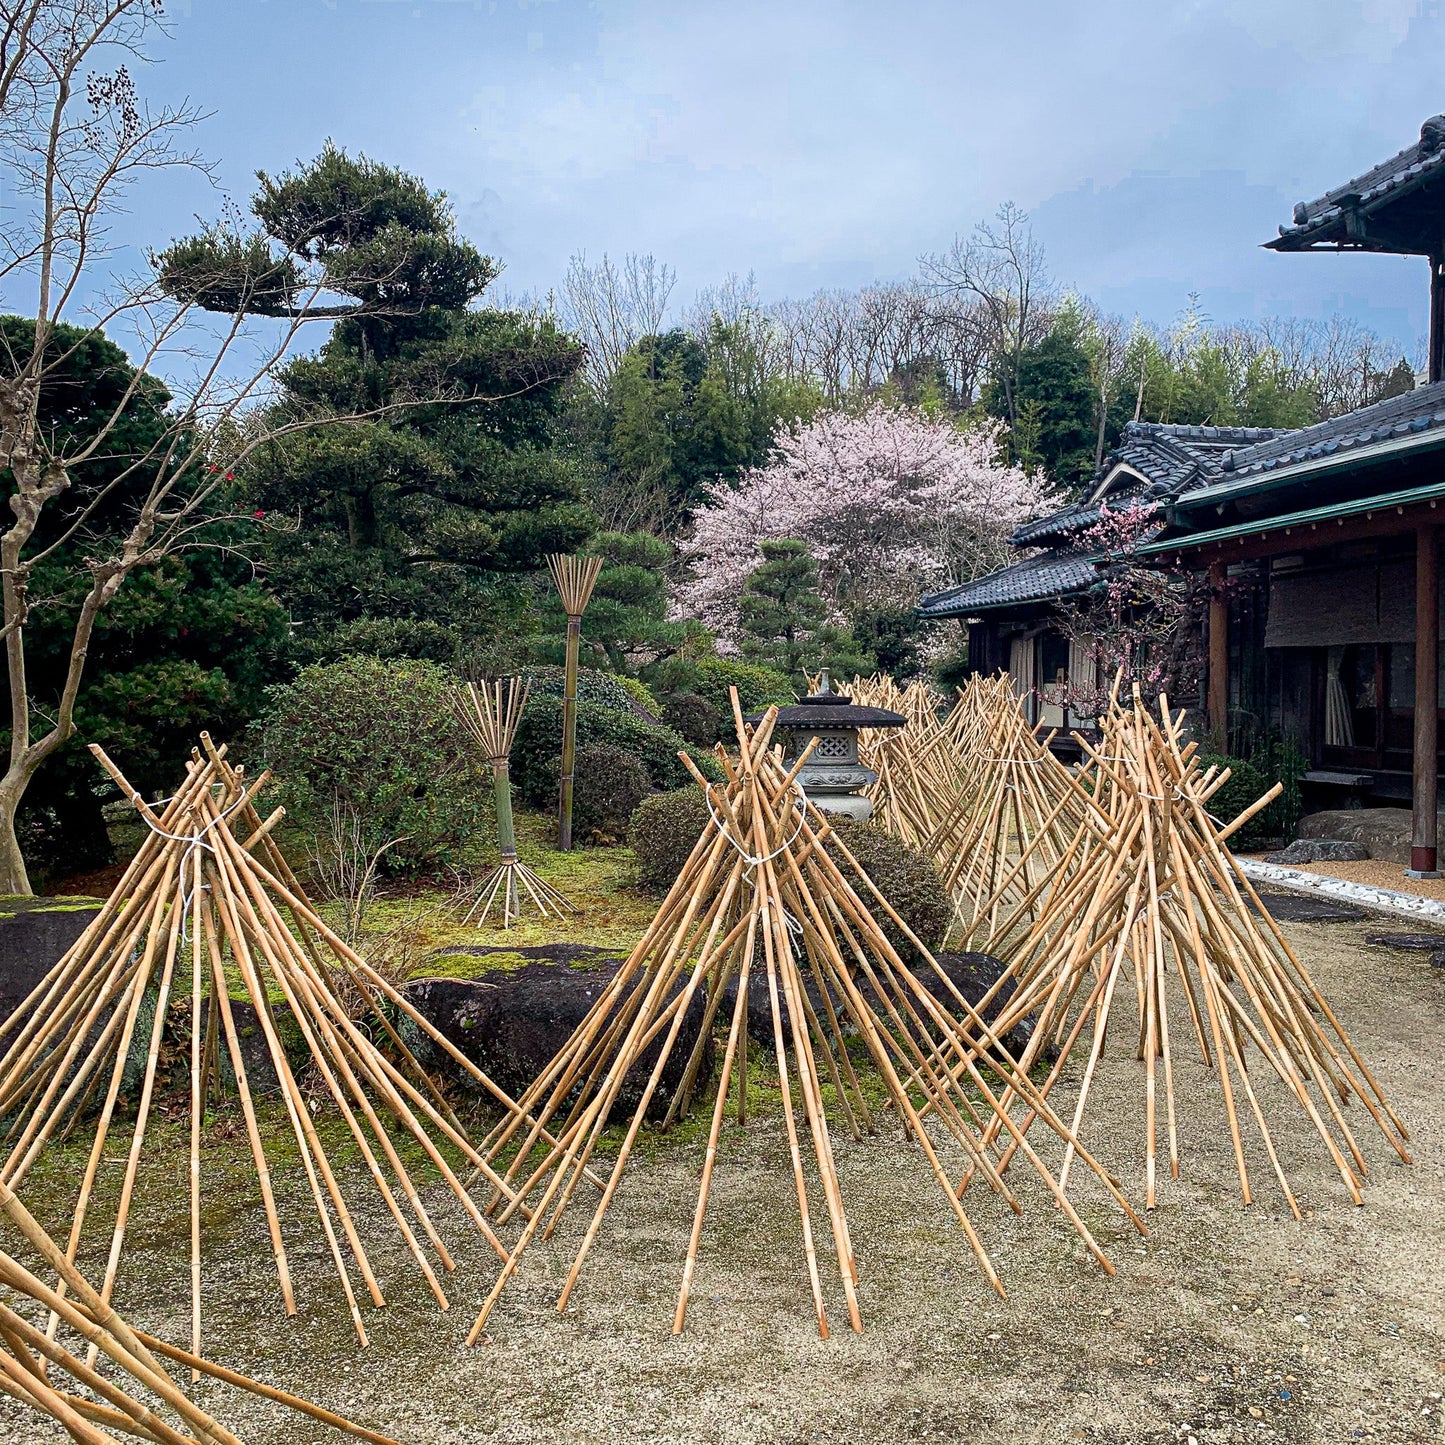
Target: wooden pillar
[[1218, 672], [1437, 319], [1427, 664]]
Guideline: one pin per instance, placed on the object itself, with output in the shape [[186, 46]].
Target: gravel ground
[[1229, 1323], [1377, 873]]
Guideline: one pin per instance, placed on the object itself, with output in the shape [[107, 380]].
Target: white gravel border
[[1341, 890]]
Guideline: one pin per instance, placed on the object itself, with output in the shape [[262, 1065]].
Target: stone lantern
[[833, 778]]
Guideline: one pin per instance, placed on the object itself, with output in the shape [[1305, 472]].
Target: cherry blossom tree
[[890, 502], [1142, 623]]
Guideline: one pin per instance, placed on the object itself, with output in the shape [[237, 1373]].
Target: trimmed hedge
[[711, 677], [381, 736], [694, 717], [608, 786], [605, 689], [663, 832], [904, 876], [641, 694], [538, 747], [1246, 785]]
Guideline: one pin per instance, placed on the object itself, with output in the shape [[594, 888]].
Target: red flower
[[230, 476], [258, 514]]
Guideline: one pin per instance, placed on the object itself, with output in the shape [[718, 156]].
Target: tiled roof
[[1173, 456], [1169, 457], [1421, 410], [1323, 220], [1051, 574]]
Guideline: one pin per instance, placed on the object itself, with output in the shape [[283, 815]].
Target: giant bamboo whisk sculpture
[[574, 578], [196, 915], [40, 1369], [761, 904], [492, 719], [1144, 905]]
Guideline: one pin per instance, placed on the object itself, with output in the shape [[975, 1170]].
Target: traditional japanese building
[[1321, 545]]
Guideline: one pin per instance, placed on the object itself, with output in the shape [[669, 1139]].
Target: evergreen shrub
[[904, 876], [663, 831], [378, 736], [538, 747], [608, 785]]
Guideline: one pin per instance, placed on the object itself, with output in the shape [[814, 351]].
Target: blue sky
[[830, 144]]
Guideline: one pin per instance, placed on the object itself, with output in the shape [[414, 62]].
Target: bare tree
[[612, 308], [1000, 266], [215, 314]]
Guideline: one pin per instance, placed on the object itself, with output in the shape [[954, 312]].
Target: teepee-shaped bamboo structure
[[492, 718], [762, 904], [40, 1370], [198, 916], [574, 578], [1143, 901]]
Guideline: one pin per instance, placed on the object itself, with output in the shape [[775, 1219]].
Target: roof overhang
[[1351, 458], [1288, 523]]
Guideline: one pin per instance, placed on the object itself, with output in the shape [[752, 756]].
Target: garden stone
[[1293, 908], [1320, 850], [1385, 832], [972, 974], [512, 1022], [1407, 942], [35, 934]]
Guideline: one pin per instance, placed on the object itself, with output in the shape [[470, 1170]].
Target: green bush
[[711, 677], [641, 693], [605, 689], [694, 717], [1246, 785], [663, 831], [608, 784], [538, 747], [904, 876], [380, 736]]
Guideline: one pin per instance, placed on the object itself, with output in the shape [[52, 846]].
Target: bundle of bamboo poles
[[574, 579], [974, 788], [41, 1370], [492, 717], [197, 918], [762, 904], [1144, 906]]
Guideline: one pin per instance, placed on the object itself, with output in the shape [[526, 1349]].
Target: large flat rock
[[34, 936], [1385, 832], [512, 1021]]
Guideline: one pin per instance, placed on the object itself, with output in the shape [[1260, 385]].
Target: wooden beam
[[1218, 678], [1389, 520], [1437, 318], [1423, 856]]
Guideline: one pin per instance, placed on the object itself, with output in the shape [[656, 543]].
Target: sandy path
[[1227, 1324]]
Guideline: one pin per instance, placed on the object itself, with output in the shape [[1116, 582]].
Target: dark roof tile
[[1050, 574], [1415, 166], [1414, 412]]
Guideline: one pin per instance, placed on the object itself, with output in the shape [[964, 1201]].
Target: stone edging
[[1362, 895]]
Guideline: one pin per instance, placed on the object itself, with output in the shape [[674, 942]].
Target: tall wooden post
[[1218, 678], [574, 577], [1423, 856], [569, 734], [1437, 319]]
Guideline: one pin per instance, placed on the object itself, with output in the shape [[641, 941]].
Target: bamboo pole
[[574, 578]]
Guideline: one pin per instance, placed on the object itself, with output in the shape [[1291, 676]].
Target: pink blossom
[[891, 502]]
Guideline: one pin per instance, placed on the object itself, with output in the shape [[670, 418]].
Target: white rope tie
[[195, 842]]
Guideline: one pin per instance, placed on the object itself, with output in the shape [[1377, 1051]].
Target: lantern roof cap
[[828, 709]]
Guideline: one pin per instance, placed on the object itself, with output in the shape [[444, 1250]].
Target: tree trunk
[[13, 877]]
